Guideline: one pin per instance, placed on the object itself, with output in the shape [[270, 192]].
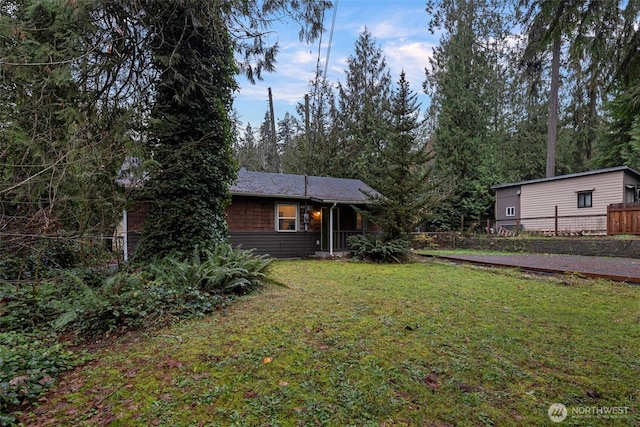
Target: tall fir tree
[[461, 113], [247, 153], [362, 106], [403, 171]]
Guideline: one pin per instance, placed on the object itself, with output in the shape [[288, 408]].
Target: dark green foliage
[[363, 103], [373, 248], [221, 271], [91, 302], [29, 367], [402, 172], [463, 81], [191, 132]]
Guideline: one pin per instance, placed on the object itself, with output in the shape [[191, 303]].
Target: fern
[[371, 248]]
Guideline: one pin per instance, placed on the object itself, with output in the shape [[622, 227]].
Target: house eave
[[568, 176]]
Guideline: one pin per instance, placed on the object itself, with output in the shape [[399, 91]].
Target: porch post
[[125, 239], [331, 230]]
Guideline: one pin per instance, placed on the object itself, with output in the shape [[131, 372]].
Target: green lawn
[[358, 344]]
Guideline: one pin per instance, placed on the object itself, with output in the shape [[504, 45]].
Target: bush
[[424, 241], [91, 301], [372, 248], [223, 271]]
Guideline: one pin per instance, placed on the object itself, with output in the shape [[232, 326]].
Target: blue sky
[[400, 28]]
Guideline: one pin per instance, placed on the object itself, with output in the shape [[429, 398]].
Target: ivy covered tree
[[403, 171], [195, 48], [191, 131]]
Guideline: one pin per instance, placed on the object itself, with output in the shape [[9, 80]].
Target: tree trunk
[[552, 125]]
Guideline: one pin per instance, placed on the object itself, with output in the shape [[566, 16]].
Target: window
[[359, 223], [511, 211], [287, 217], [630, 194], [585, 200]]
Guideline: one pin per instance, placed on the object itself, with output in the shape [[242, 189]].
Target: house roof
[[627, 169], [316, 188]]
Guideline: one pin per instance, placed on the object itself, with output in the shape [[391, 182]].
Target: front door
[[325, 231]]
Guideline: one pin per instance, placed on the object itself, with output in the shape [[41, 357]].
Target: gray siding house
[[579, 199]]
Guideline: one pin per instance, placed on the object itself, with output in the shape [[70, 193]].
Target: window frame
[[279, 218], [510, 211], [583, 199]]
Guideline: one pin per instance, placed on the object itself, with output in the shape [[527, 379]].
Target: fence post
[[556, 222], [517, 226], [488, 224], [608, 216], [461, 224]]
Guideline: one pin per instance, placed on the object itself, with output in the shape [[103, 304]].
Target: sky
[[400, 28]]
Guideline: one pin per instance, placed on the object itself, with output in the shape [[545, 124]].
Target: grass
[[369, 345]]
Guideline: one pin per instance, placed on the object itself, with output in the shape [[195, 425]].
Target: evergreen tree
[[583, 39], [289, 134], [62, 139], [268, 146], [620, 144], [247, 153], [191, 131], [402, 173], [362, 105], [459, 83]]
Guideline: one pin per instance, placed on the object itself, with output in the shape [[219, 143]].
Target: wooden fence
[[623, 218]]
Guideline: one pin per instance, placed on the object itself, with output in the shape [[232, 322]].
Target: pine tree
[[247, 153], [402, 173], [460, 83], [362, 105]]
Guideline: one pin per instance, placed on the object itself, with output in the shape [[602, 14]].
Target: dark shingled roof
[[573, 175], [317, 188]]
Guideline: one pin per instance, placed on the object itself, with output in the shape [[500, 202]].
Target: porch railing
[[340, 239]]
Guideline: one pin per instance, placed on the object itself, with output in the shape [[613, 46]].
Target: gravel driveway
[[620, 269]]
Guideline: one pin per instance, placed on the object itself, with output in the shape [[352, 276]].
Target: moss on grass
[[361, 344]]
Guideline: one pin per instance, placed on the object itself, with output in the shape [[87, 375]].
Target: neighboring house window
[[359, 222], [287, 217], [511, 211], [630, 194], [585, 199]]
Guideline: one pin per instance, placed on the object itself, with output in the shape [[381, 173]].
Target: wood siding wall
[[507, 197], [538, 200], [278, 245], [259, 214]]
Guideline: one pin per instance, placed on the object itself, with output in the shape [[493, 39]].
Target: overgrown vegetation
[[87, 303], [370, 345]]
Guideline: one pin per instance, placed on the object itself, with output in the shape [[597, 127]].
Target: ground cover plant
[[42, 318], [370, 344]]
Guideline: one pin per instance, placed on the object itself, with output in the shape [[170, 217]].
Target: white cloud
[[412, 57]]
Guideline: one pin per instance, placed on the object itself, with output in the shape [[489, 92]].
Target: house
[[283, 215], [571, 203], [286, 215]]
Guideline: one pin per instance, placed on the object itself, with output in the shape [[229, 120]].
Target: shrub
[[372, 248], [424, 241], [223, 271]]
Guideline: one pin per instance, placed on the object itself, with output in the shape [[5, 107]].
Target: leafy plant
[[372, 248], [29, 366], [223, 270]]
